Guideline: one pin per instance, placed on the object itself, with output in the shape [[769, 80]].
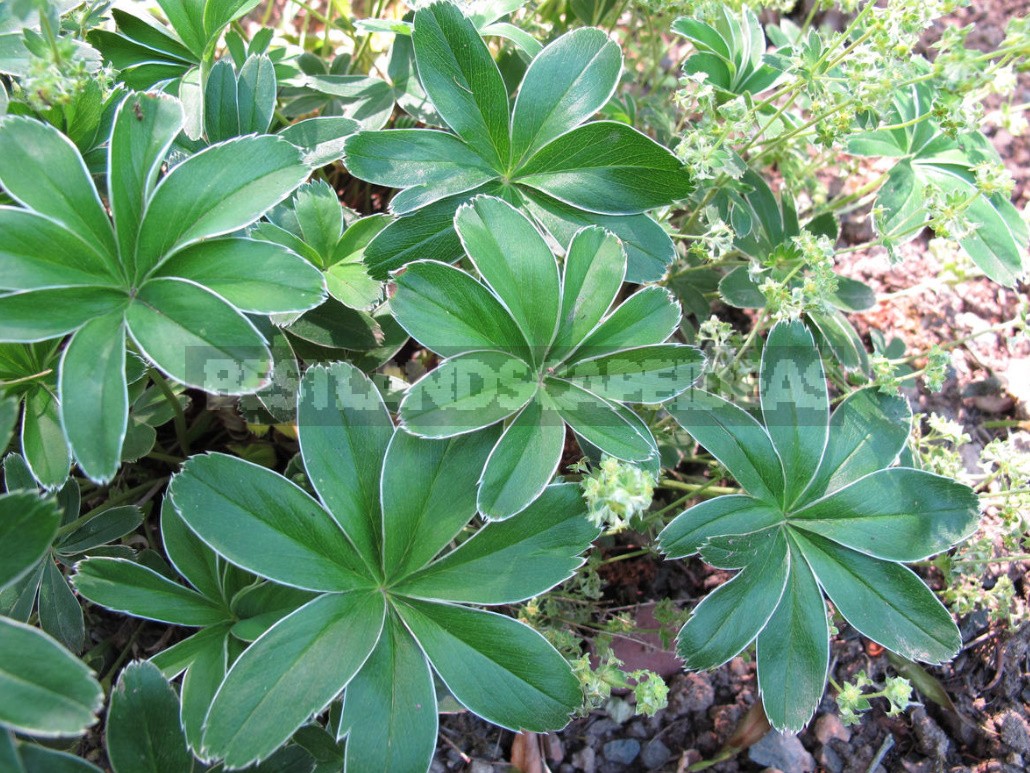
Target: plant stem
[[695, 488], [179, 416]]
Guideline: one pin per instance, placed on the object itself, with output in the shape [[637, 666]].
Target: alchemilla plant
[[337, 356]]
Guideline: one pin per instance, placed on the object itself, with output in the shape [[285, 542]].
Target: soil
[[987, 730]]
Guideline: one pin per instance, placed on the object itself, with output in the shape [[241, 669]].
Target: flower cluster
[[616, 492]]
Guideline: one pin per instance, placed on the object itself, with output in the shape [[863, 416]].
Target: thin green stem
[[179, 417]]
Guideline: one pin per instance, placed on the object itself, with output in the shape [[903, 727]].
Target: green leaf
[[595, 266], [466, 393], [902, 202], [59, 612], [197, 338], [290, 673], [649, 249], [735, 438], [461, 79], [841, 338], [188, 22], [18, 600], [430, 165], [145, 126], [853, 295], [218, 14], [143, 733], [795, 404], [449, 312], [262, 522], [219, 190], [221, 112], [429, 495], [344, 429], [498, 668], [60, 188], [192, 559], [738, 289], [47, 691], [649, 374], [646, 318], [733, 514], [199, 685], [794, 651], [368, 101], [137, 590], [37, 253], [255, 95], [513, 560], [9, 409], [318, 219], [730, 617], [867, 432], [335, 326], [389, 709], [17, 474], [94, 396], [39, 759], [42, 440], [513, 258], [321, 138], [607, 167], [997, 242], [598, 421], [28, 525], [427, 233], [898, 514], [104, 527], [254, 276], [523, 461], [885, 601], [566, 83], [68, 308]]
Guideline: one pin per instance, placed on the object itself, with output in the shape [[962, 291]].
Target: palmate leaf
[[155, 274], [377, 643], [538, 155], [537, 349], [998, 236], [844, 519]]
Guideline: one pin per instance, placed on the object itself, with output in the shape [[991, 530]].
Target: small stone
[[829, 726], [622, 750], [478, 766], [1014, 732], [601, 727], [585, 760], [695, 693], [636, 729], [933, 742], [830, 760], [654, 754], [437, 767], [777, 750], [554, 748]]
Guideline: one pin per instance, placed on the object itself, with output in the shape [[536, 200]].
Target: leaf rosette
[[537, 349], [541, 154], [387, 604], [168, 274], [824, 512]]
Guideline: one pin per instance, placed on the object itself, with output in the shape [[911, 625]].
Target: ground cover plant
[[348, 352]]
